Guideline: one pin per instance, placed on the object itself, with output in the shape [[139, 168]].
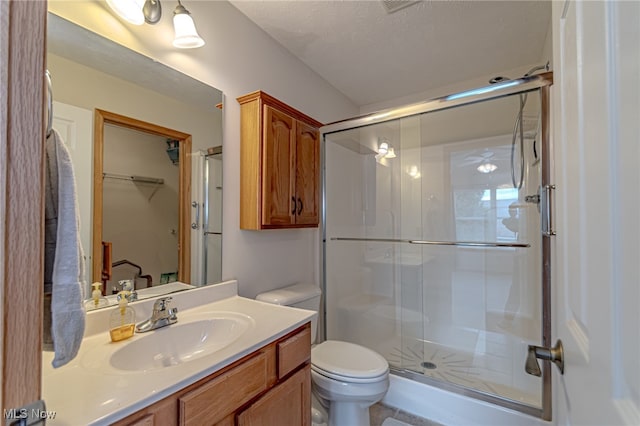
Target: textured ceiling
[[372, 56]]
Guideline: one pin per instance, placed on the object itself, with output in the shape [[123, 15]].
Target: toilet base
[[319, 414], [333, 413], [348, 413]]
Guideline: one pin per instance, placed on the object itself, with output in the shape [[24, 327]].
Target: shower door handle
[[554, 354], [546, 210], [196, 224]]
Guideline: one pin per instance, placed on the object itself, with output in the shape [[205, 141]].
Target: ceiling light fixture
[[129, 10], [186, 35], [487, 168]]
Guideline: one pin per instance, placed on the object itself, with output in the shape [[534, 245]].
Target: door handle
[[554, 354], [293, 202], [299, 206]]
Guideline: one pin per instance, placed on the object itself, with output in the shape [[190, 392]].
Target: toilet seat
[[348, 362]]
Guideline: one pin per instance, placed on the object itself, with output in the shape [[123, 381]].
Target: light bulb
[[383, 148], [129, 10]]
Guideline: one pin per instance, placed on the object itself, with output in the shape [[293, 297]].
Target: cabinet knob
[[299, 206], [293, 202]]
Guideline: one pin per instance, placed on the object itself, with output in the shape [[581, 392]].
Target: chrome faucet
[[128, 286], [161, 316]]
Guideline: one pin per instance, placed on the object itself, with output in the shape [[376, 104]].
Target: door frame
[[184, 142], [22, 132]]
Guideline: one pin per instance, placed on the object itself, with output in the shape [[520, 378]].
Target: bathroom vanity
[[229, 360], [269, 386]]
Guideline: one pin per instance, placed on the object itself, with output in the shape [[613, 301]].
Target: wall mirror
[[109, 103]]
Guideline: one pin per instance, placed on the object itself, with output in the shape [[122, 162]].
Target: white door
[[75, 127], [596, 111]]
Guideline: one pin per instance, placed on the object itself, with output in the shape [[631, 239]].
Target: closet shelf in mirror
[[136, 179]]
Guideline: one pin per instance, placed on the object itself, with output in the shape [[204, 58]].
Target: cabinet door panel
[[307, 174], [215, 400], [289, 403], [278, 197]]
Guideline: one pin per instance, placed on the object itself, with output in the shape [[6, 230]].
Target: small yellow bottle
[[123, 318]]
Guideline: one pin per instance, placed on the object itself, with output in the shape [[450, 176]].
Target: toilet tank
[[303, 296]]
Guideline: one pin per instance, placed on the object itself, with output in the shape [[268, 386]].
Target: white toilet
[[346, 378]]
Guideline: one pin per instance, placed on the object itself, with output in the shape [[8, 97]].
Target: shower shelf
[[436, 243]]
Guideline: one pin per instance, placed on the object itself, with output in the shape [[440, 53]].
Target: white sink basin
[[181, 342]]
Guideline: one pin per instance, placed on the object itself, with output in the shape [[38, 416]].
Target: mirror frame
[[101, 118]]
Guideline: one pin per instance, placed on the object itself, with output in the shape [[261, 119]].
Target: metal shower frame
[[526, 84]]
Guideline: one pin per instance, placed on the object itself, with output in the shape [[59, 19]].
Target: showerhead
[[498, 79]]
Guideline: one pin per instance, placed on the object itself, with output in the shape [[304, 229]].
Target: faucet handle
[[161, 304]]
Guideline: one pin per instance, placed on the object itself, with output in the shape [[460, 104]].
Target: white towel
[[67, 293]]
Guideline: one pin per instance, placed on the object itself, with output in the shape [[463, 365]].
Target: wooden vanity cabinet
[[279, 165], [270, 386]]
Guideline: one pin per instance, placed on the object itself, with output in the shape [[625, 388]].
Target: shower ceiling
[[373, 56]]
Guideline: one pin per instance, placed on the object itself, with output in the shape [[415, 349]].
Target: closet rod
[[141, 179]]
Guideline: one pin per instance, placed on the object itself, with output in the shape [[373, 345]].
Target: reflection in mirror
[[91, 73], [140, 205], [212, 221]]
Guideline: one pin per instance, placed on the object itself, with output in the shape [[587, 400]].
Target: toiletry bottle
[[97, 299], [123, 318]]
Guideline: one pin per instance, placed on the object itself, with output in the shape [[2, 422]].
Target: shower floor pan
[[494, 373]]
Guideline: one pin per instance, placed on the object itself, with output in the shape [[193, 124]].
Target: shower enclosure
[[435, 240]]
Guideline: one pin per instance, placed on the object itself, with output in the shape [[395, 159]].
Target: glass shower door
[[433, 249]]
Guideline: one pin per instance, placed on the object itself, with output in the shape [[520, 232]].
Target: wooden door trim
[[22, 118], [184, 142]]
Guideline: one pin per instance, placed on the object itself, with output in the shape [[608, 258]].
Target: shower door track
[[435, 243]]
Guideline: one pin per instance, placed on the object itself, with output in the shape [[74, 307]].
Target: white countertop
[[90, 391]]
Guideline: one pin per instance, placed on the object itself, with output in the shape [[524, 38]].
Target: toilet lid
[[348, 360]]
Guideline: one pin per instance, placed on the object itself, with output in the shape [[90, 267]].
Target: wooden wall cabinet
[[279, 165], [271, 386]]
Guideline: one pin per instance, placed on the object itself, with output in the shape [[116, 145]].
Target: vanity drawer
[[294, 351], [215, 400]]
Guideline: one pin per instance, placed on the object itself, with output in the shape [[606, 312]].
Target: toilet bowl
[[348, 378], [345, 378]]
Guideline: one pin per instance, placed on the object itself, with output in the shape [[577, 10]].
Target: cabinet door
[[278, 192], [307, 174], [289, 403]]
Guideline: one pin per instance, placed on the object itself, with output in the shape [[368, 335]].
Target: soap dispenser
[[97, 299], [123, 318]]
